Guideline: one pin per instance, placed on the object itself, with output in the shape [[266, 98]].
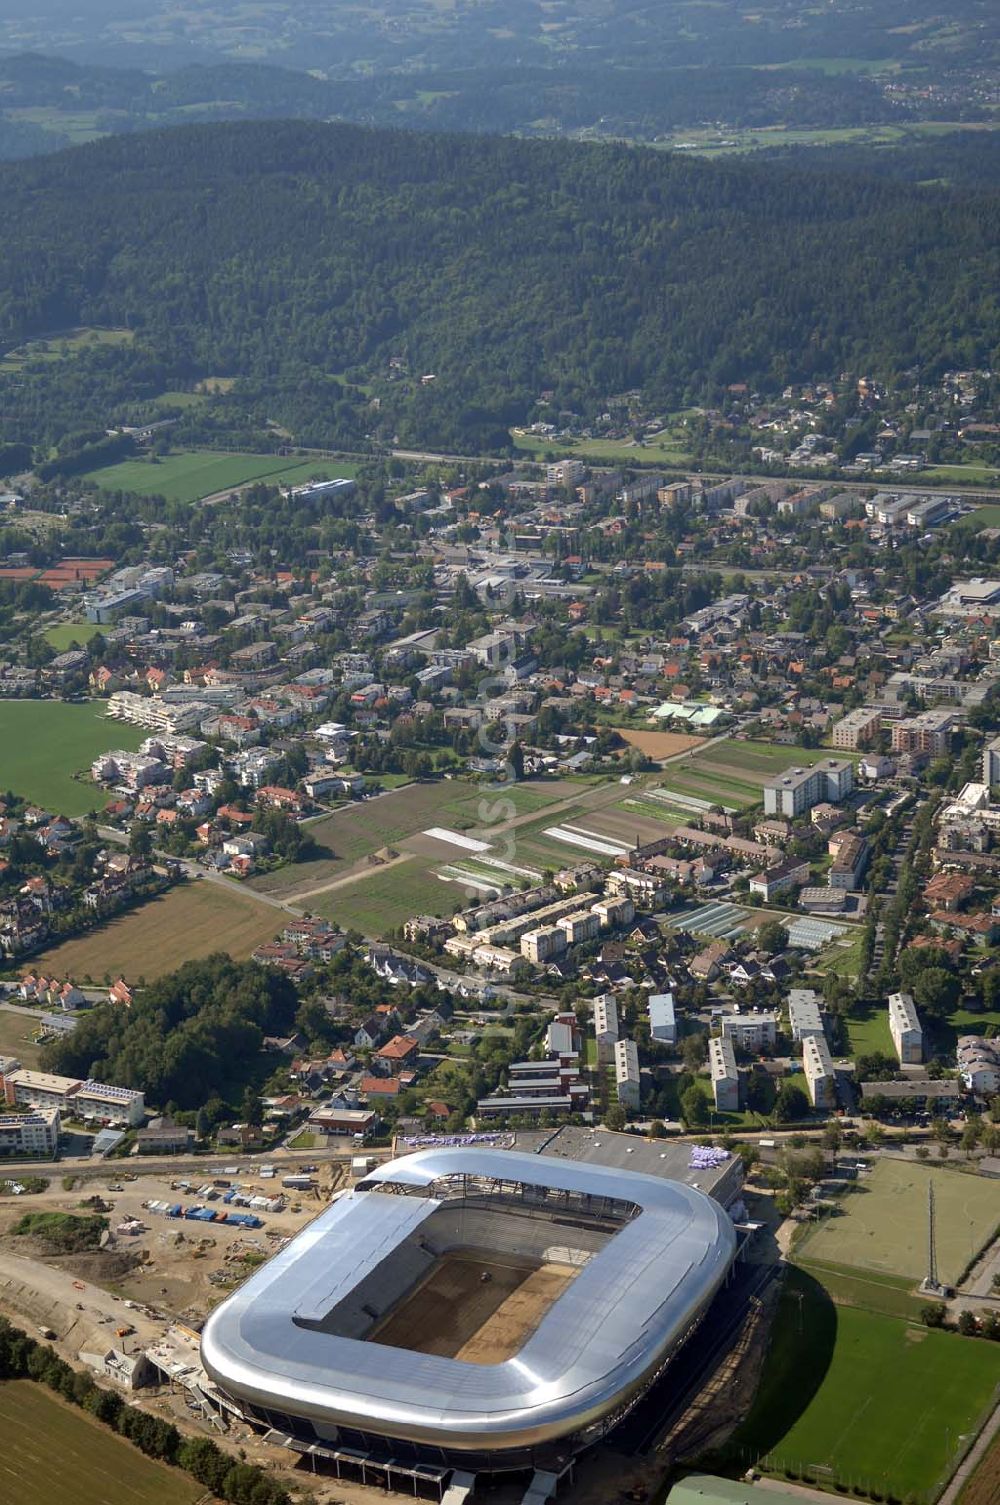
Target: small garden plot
[[586, 841], [483, 882], [720, 921], [456, 839]]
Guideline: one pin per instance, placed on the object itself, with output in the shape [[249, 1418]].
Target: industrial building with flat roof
[[345, 1340]]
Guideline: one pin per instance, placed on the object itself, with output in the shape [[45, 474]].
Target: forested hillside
[[281, 253]]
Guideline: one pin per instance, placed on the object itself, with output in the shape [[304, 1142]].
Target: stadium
[[471, 1308]]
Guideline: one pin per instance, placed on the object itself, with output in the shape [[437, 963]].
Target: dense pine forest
[[282, 253]]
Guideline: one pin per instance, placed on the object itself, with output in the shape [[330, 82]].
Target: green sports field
[[882, 1225], [192, 474], [64, 634], [53, 1454], [45, 742], [851, 1397]]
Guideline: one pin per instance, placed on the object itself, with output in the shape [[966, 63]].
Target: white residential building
[[979, 1065], [541, 945], [662, 1020], [33, 1133], [751, 1032], [561, 1037], [725, 1076], [73, 1098], [821, 1080], [154, 713], [804, 1015], [627, 1074], [797, 789], [905, 1029], [991, 762], [605, 1027], [130, 770]]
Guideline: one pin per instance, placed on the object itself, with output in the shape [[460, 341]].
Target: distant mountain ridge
[[581, 96]]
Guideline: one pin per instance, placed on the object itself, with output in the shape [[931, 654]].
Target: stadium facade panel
[[289, 1348]]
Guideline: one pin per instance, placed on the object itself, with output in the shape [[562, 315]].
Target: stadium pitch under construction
[[464, 1311]]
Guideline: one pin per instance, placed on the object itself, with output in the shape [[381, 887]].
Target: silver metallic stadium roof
[[595, 1347]]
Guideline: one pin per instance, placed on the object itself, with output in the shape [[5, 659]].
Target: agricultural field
[[753, 762], [429, 848], [850, 1396], [190, 475], [726, 790], [983, 1488], [187, 922], [882, 1222], [358, 830], [64, 1458], [664, 448], [710, 141], [658, 745], [385, 898], [46, 742], [399, 819]]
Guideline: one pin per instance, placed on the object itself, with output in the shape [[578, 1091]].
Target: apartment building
[[821, 1080], [725, 1075], [979, 1065], [72, 1097], [542, 945], [991, 762], [129, 770], [850, 858], [605, 1027], [776, 880], [751, 1032], [930, 733], [662, 1018], [796, 790], [627, 1078], [804, 1014], [905, 1029], [857, 728], [33, 1133], [156, 714]]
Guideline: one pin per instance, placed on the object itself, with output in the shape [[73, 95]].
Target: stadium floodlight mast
[[930, 1284]]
